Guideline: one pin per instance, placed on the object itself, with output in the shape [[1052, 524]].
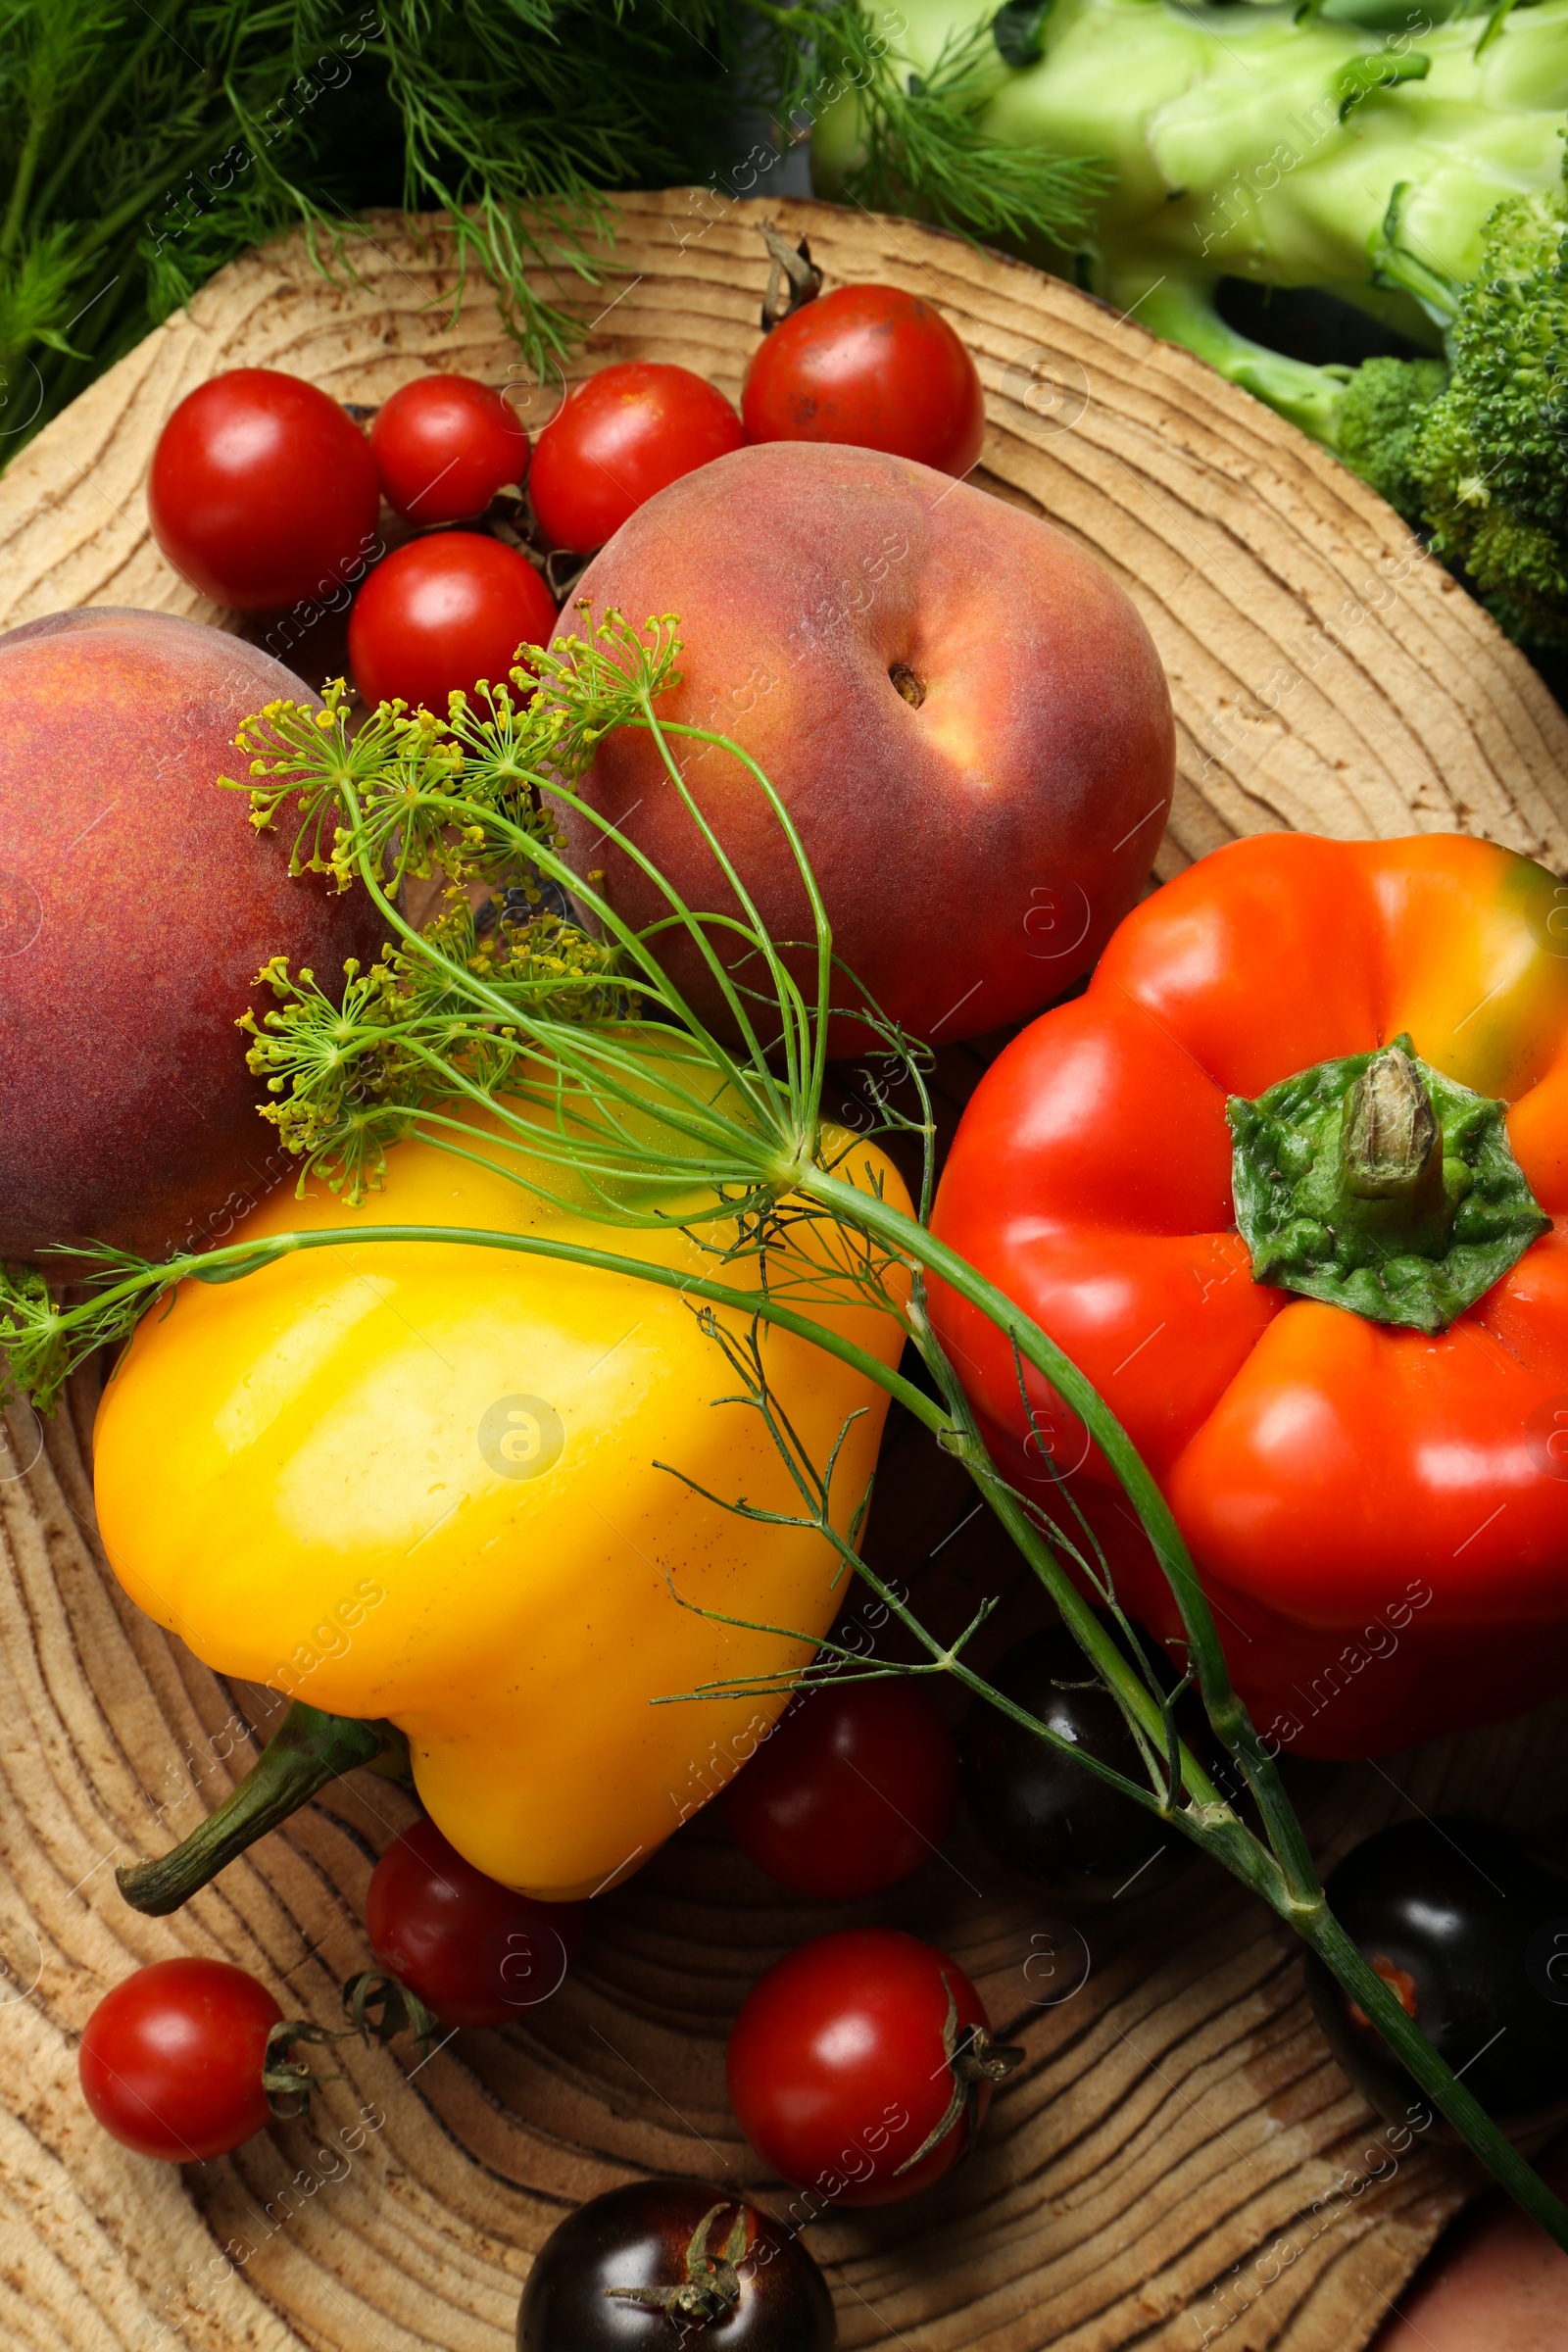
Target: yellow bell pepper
[[423, 1482]]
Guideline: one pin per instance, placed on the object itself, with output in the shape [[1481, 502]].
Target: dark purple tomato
[[172, 2060], [444, 446], [629, 430], [442, 612], [1468, 1928], [853, 1790], [474, 1952], [1048, 1816], [263, 493], [658, 2263], [872, 366]]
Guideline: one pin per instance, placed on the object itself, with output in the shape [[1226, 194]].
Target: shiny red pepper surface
[[1379, 1513]]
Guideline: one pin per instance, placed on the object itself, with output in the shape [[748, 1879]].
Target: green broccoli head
[[1489, 459], [1381, 419]]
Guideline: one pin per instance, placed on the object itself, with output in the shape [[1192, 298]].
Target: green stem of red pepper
[[1382, 1186]]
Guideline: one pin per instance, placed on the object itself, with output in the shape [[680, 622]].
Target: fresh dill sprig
[[44, 1337], [382, 795], [141, 150], [527, 1021], [400, 763], [922, 148], [350, 1078]]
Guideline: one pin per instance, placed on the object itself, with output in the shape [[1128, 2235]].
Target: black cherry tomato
[[263, 492], [1468, 1928], [442, 612], [645, 2266], [871, 365], [861, 2066], [1042, 1813], [474, 1952], [171, 2061], [628, 431], [853, 1790], [444, 445]]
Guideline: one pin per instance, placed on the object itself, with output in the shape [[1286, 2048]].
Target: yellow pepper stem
[[307, 1750]]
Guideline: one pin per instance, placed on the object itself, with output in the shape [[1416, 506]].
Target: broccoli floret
[[1490, 458], [1383, 418]]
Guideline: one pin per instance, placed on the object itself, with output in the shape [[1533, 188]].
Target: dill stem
[[1230, 1719], [1318, 1928]]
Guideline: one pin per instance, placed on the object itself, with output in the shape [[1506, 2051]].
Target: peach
[[137, 904], [961, 711]]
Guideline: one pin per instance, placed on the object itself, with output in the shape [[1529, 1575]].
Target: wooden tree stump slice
[[1179, 2159]]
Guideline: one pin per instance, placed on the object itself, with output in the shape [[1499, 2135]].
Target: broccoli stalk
[[1404, 154]]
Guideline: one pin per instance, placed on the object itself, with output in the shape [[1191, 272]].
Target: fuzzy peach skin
[[1495, 2280], [977, 835], [137, 904]]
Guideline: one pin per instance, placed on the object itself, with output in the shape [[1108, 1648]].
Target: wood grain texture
[[1163, 2172]]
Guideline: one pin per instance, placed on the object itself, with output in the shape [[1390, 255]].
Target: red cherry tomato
[[627, 432], [444, 445], [871, 365], [474, 1952], [839, 2067], [853, 1790], [171, 2061], [442, 612], [263, 492]]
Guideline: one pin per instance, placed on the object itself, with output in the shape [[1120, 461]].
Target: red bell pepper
[[1289, 1185]]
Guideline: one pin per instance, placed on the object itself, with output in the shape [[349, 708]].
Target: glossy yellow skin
[[296, 1474]]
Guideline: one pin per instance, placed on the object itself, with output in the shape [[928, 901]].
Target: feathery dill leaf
[[140, 152], [923, 150]]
